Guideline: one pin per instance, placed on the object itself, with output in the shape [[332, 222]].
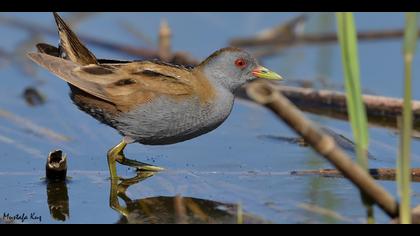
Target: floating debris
[[33, 97], [378, 173]]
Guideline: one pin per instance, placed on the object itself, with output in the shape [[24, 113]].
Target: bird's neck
[[219, 79]]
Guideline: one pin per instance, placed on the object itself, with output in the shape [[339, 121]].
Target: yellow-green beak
[[264, 73]]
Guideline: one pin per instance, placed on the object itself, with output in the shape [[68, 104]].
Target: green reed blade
[[357, 113], [403, 162]]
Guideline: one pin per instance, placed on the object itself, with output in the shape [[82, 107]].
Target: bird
[[150, 102]]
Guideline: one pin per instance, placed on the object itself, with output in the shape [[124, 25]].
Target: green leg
[[113, 155], [116, 154]]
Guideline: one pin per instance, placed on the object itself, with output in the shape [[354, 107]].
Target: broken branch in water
[[142, 53], [380, 110], [324, 144], [287, 40], [377, 173]]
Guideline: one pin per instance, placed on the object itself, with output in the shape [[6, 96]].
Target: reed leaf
[[357, 113], [403, 162]]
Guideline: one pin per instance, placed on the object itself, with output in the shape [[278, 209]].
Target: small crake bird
[[149, 102]]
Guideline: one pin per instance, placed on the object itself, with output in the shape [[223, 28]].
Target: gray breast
[[168, 121]]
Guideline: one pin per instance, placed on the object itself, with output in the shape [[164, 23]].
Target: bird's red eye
[[240, 63]]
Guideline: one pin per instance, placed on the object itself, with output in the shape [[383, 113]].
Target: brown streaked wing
[[160, 79], [65, 70], [125, 85], [137, 82]]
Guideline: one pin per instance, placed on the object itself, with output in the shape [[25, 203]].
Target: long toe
[[140, 165], [150, 168]]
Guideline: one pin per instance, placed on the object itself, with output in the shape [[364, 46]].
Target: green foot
[[140, 165], [116, 154]]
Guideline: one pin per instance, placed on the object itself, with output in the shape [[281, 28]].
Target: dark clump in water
[[33, 97]]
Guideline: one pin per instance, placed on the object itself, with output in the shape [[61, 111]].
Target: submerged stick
[[380, 110], [268, 96], [375, 105], [377, 173], [27, 124]]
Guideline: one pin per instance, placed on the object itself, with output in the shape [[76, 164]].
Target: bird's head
[[233, 67]]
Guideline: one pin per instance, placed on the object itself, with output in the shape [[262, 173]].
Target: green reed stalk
[[357, 113], [403, 163], [239, 214]]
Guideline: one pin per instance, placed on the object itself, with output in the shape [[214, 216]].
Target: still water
[[231, 170]]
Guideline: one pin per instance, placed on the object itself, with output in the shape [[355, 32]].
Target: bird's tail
[[70, 46]]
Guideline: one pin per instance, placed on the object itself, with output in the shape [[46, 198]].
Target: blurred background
[[243, 167]]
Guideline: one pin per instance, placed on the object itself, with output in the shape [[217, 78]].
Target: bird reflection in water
[[172, 209], [153, 210]]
